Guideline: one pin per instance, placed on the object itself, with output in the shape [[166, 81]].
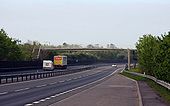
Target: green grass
[[135, 77], [160, 90], [136, 70]]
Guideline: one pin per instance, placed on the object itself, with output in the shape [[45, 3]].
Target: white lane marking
[[53, 96], [28, 105], [53, 83], [79, 77], [78, 87], [8, 84], [42, 100], [86, 85], [47, 98], [3, 93], [23, 89], [138, 90], [75, 78], [68, 79], [36, 102], [41, 85], [61, 81]]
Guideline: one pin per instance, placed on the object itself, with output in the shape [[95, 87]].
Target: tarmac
[[118, 90], [150, 97]]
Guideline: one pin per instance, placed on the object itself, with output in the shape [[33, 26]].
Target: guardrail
[[32, 76], [163, 83]]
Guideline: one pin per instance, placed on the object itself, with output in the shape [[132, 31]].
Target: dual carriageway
[[46, 91]]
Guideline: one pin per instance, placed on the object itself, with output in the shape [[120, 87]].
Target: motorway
[[28, 92], [41, 70]]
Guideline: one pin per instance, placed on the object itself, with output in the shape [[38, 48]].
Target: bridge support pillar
[[128, 58]]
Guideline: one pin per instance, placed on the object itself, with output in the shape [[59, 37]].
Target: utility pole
[[128, 50]]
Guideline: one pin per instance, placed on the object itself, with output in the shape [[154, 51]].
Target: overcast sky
[[120, 22]]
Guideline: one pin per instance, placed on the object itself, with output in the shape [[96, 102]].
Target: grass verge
[[135, 77], [136, 70], [162, 91]]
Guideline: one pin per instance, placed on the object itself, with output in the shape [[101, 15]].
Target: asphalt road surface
[[22, 93]]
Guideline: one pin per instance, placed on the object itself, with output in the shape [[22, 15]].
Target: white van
[[48, 65]]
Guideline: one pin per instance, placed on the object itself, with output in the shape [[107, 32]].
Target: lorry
[[60, 62], [48, 65]]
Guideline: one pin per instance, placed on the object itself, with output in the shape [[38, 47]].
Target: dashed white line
[[75, 78], [23, 89], [79, 77], [61, 81], [28, 105], [71, 89], [68, 79], [36, 102], [3, 93], [41, 85], [53, 83]]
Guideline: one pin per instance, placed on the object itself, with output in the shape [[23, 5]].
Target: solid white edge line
[[53, 96], [138, 90], [47, 98], [3, 93], [56, 95], [28, 105], [42, 100], [85, 86], [36, 102]]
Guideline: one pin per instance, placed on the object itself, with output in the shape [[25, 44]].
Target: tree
[[154, 55], [146, 49], [9, 50], [65, 45], [90, 46], [111, 46], [162, 71]]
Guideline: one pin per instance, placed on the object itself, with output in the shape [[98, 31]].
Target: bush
[[154, 55], [9, 50]]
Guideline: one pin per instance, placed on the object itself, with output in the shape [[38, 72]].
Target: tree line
[[12, 50], [9, 49], [93, 56], [154, 55]]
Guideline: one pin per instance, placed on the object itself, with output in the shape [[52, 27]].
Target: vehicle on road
[[60, 62], [48, 65], [114, 65]]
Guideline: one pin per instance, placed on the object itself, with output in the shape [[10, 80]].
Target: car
[[114, 65]]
